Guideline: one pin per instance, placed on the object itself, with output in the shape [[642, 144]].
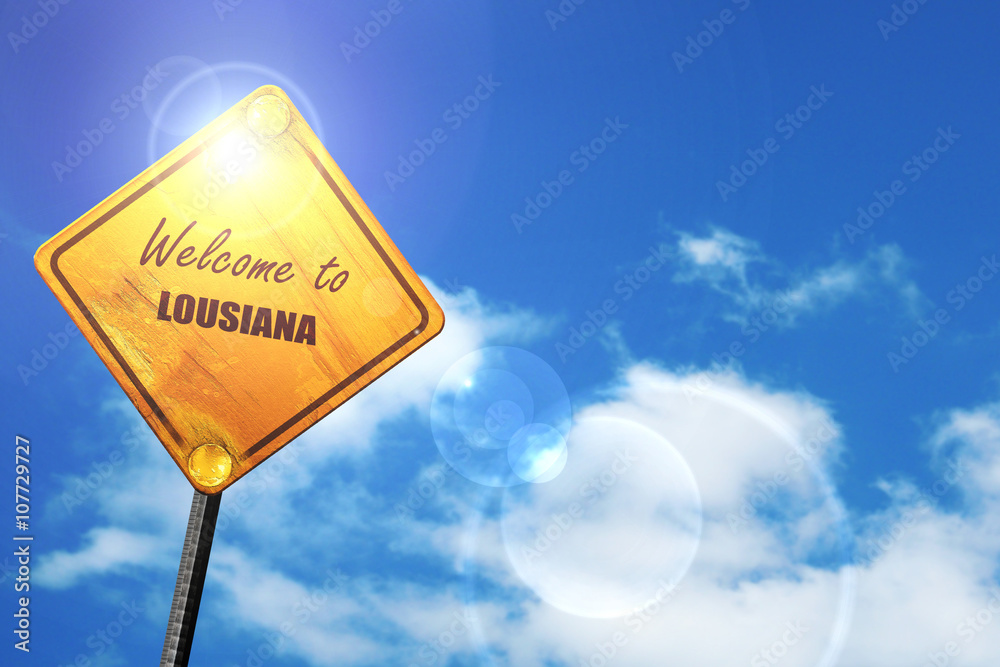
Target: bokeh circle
[[582, 541], [500, 416]]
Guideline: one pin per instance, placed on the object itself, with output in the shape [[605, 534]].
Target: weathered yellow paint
[[259, 171]]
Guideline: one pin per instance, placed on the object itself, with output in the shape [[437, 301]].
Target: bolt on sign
[[239, 290]]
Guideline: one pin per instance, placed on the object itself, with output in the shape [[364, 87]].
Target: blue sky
[[642, 124]]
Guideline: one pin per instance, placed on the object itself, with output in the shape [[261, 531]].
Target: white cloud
[[933, 571], [107, 550], [934, 560], [313, 622], [723, 250], [748, 578], [973, 437], [737, 268], [772, 549]]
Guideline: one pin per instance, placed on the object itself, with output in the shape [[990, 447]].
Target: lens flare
[[624, 517], [499, 417]]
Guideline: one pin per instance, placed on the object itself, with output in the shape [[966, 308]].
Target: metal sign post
[[190, 580]]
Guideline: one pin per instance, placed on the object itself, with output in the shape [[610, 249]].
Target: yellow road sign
[[239, 290]]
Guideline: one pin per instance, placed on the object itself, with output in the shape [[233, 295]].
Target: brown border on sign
[[339, 387]]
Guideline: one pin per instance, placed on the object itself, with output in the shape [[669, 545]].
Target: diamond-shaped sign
[[239, 290]]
